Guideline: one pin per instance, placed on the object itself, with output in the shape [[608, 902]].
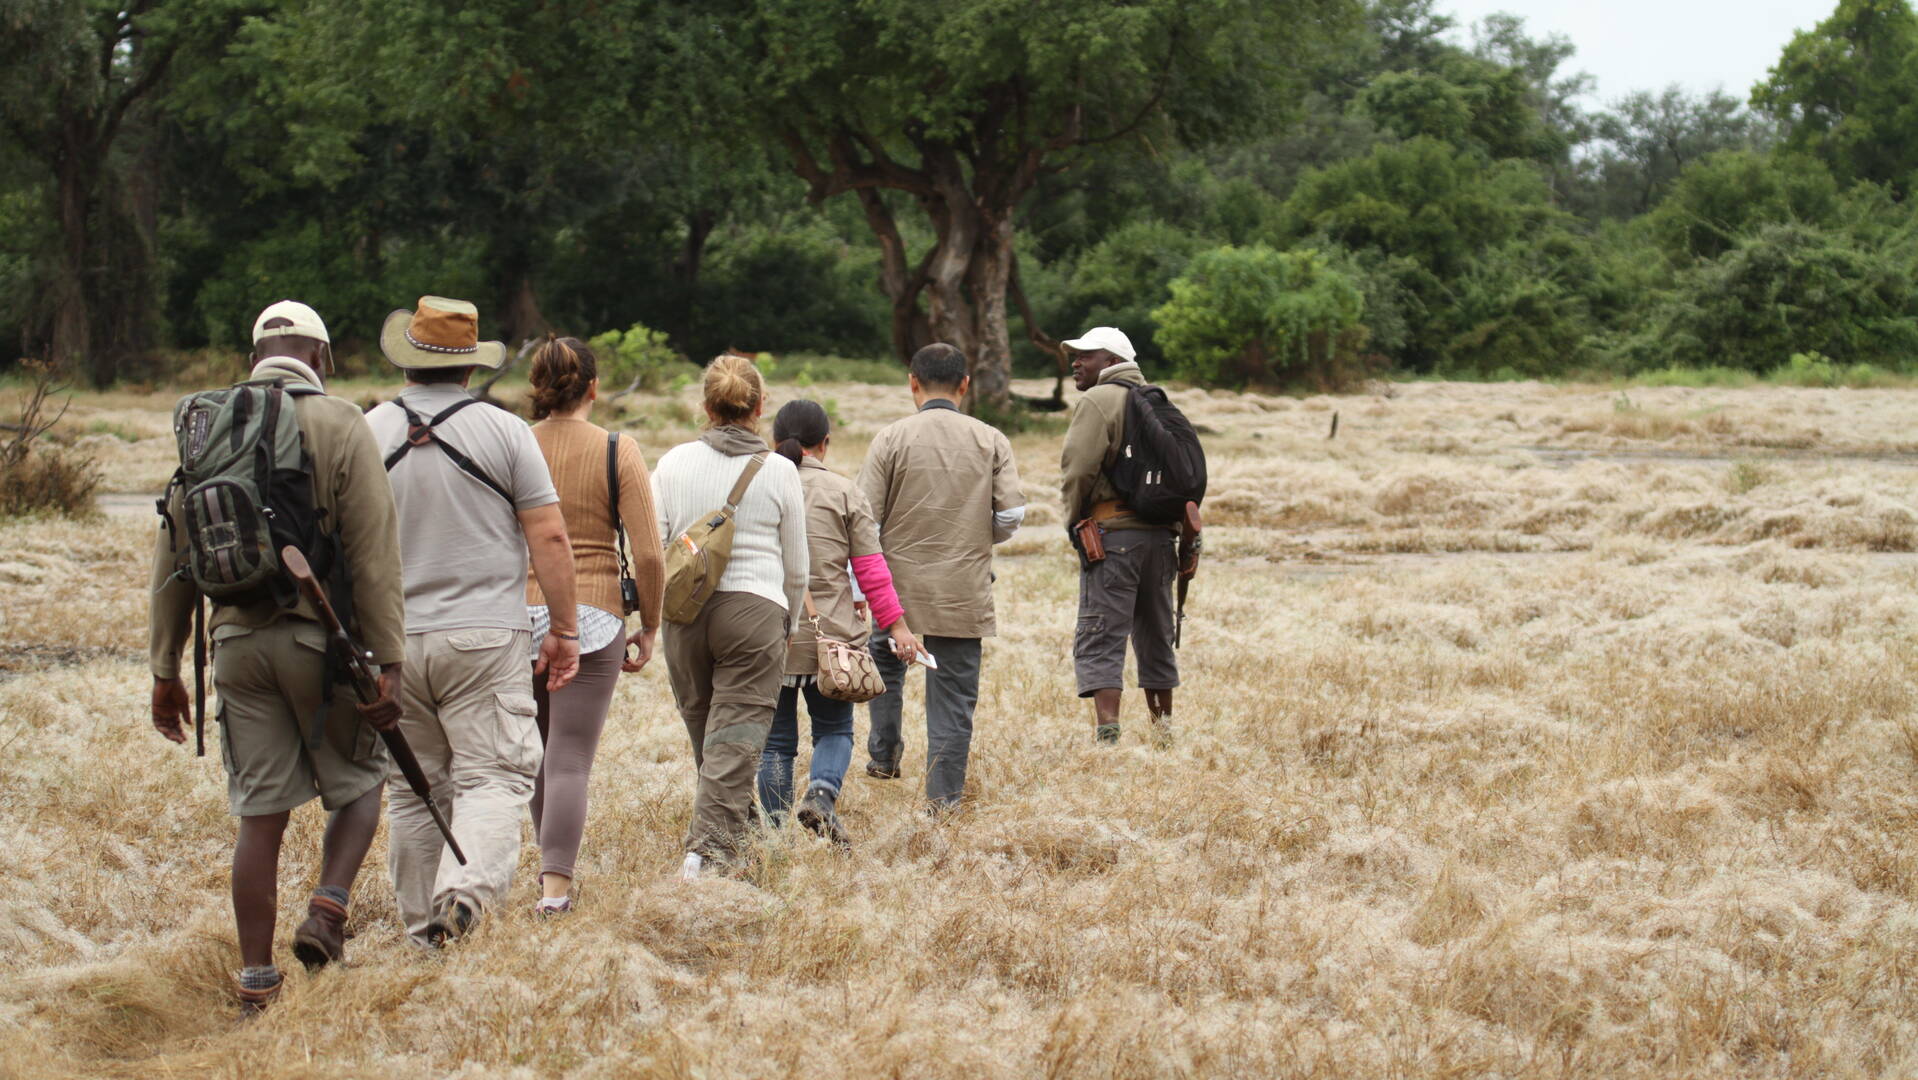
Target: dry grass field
[[1528, 731]]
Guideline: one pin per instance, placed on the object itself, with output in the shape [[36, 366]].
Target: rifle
[[1190, 545], [366, 686]]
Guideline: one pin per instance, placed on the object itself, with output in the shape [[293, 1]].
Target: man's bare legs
[[1105, 713]]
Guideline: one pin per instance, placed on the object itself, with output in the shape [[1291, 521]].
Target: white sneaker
[[690, 869]]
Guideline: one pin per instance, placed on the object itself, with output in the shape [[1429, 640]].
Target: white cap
[[1110, 338], [306, 322]]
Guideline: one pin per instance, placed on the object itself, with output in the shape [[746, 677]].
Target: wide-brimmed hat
[[440, 333]]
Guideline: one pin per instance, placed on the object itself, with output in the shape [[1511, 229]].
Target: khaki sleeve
[[1081, 458], [642, 530], [370, 539], [875, 477], [171, 597], [1006, 493], [862, 529]]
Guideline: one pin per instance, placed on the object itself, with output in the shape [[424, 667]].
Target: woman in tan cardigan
[[565, 383]]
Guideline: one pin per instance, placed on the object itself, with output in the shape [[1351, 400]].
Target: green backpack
[[246, 486]]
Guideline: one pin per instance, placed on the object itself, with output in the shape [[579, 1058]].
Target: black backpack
[[1160, 466]]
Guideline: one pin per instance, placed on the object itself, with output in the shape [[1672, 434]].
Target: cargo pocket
[[519, 747], [476, 640], [1092, 626]]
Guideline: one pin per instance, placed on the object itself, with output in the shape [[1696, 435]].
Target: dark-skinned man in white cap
[[1127, 594]]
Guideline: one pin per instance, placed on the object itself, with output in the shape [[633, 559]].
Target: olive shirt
[[1093, 439], [839, 528], [349, 484], [935, 480]]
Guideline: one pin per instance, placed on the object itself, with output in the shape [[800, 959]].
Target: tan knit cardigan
[[575, 452]]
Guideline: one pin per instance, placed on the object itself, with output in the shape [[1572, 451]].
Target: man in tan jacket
[[945, 490], [269, 668], [1128, 593]]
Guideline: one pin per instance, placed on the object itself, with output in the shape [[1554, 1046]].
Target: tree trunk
[[72, 338], [989, 361], [522, 317]]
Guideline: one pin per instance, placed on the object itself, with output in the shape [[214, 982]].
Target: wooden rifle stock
[[367, 686]]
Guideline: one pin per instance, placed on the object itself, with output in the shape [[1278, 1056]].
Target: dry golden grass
[[1492, 762]]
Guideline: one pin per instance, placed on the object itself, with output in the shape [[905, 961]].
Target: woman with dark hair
[[604, 490], [841, 536]]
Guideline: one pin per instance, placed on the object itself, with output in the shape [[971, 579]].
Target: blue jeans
[[831, 748]]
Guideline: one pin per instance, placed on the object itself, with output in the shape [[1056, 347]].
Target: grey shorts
[[1128, 595], [268, 680]]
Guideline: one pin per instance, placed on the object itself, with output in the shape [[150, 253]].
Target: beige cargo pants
[[725, 667], [466, 707]]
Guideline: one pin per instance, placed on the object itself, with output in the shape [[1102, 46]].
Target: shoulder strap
[[745, 481], [612, 498], [420, 433]]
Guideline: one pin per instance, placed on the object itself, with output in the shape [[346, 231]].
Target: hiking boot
[[816, 813], [1106, 735], [254, 999], [882, 772], [321, 939], [549, 908], [454, 920]]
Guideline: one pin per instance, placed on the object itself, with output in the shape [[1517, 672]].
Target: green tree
[[1650, 139], [1253, 315], [1847, 92], [957, 109], [79, 78], [1728, 194]]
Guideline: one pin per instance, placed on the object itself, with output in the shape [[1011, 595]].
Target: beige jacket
[[1092, 444], [349, 483], [935, 480], [839, 528]]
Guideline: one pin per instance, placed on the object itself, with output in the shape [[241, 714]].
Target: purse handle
[[812, 613], [612, 496]]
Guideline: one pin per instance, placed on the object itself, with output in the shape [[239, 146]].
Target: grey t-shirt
[[461, 549]]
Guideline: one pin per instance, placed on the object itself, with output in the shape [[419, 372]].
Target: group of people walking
[[491, 570]]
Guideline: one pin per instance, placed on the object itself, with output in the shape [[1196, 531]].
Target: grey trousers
[[952, 692]]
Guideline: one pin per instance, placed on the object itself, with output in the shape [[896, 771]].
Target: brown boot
[[254, 1002], [321, 939]]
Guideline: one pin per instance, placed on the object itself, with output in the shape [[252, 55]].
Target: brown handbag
[[846, 671]]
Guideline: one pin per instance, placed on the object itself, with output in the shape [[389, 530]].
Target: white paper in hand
[[925, 658]]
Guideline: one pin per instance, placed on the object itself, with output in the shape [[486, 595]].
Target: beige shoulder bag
[[846, 671], [697, 557]]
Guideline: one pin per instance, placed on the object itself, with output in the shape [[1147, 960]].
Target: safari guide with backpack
[[270, 462], [476, 501], [1132, 478]]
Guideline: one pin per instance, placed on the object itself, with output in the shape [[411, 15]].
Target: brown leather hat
[[440, 333]]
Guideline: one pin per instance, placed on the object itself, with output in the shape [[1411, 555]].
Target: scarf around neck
[[733, 440]]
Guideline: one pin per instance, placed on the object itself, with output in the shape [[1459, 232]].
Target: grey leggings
[[569, 724]]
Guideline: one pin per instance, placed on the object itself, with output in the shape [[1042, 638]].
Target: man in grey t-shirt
[[475, 503]]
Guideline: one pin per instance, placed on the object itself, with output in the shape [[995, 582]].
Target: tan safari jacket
[[349, 483], [934, 480], [839, 528], [1093, 439]]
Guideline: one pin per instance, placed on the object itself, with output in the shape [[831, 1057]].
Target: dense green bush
[[1120, 280], [636, 358], [1785, 290], [1729, 194], [1253, 315]]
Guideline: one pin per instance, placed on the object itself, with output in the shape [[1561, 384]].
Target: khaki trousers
[[725, 668], [466, 707]]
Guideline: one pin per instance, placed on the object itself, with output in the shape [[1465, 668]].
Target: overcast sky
[[1648, 44]]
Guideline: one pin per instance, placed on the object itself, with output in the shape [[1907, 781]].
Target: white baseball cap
[[1110, 338], [306, 322]]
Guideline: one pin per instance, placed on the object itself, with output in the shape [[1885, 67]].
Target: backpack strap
[[612, 498], [420, 432], [745, 481]]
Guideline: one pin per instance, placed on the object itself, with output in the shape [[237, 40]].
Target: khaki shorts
[[1128, 595], [268, 680]]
